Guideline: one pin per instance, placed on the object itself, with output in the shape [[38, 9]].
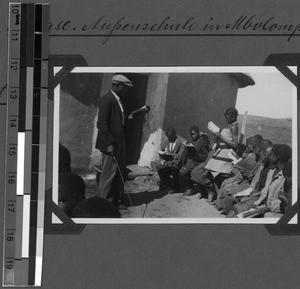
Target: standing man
[[111, 141]]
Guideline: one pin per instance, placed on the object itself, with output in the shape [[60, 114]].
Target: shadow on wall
[[197, 98], [79, 97]]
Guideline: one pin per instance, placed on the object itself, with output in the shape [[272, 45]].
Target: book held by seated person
[[213, 128], [240, 163], [244, 193], [165, 155], [190, 147]]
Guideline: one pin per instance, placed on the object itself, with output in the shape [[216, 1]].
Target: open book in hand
[[213, 128], [144, 108], [165, 156], [233, 156], [240, 163], [244, 193], [190, 147]]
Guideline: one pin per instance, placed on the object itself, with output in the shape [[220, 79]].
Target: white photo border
[[173, 69]]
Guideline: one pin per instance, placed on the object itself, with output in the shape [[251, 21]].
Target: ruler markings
[[26, 144], [10, 181], [27, 125]]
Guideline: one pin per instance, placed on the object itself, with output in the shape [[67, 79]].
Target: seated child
[[241, 181], [235, 205], [269, 196]]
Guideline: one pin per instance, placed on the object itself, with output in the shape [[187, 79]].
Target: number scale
[[26, 128], [10, 198]]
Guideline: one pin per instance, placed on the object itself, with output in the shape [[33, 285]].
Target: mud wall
[[79, 95], [153, 123], [197, 99], [76, 130]]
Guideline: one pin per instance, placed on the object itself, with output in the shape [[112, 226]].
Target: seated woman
[[269, 196], [219, 166], [241, 181]]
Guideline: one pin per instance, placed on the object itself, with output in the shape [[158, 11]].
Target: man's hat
[[119, 78]]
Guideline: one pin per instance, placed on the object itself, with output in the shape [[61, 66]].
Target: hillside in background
[[276, 130]]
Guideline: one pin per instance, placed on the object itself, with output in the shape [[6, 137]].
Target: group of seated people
[[240, 180], [71, 193]]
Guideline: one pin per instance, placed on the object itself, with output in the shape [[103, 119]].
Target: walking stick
[[122, 179]]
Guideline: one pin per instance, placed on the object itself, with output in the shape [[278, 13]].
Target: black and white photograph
[[175, 144], [150, 144]]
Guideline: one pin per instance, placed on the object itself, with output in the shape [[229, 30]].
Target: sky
[[271, 96]]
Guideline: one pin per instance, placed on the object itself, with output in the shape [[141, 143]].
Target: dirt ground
[[150, 202]]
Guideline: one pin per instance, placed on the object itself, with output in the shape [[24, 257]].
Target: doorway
[[134, 127]]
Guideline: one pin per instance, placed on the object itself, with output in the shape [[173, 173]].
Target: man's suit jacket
[[177, 149], [109, 124]]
